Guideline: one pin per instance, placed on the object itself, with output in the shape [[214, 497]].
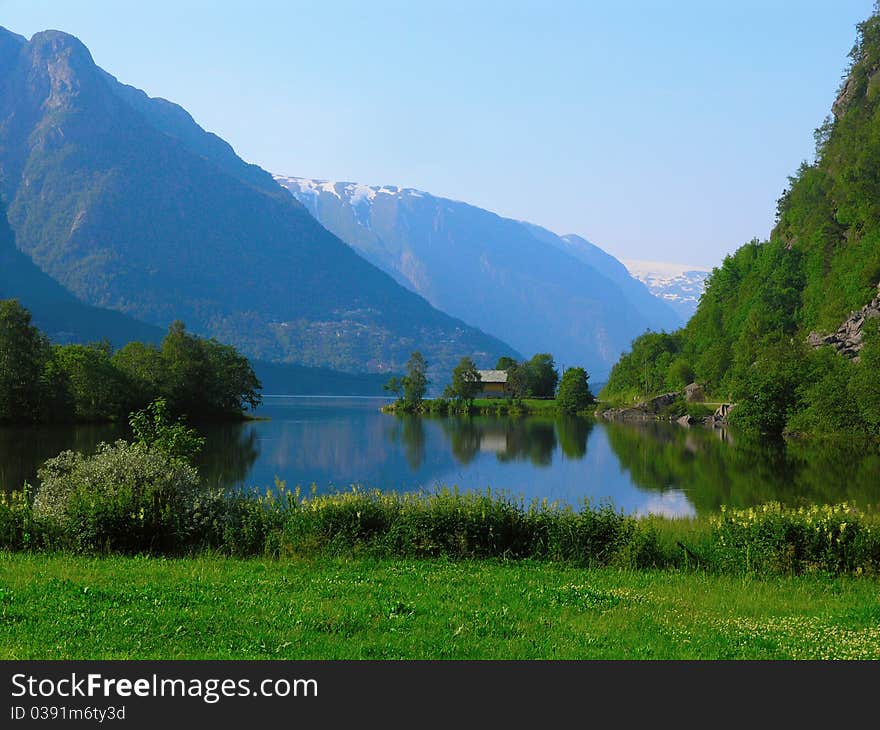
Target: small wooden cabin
[[494, 384]]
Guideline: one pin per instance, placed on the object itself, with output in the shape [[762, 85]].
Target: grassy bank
[[62, 606], [77, 512]]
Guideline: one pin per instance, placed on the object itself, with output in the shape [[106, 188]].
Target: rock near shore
[[847, 340]]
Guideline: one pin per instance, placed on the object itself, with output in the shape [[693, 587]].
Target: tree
[[465, 381], [505, 363], [205, 378], [543, 375], [415, 382], [518, 380], [24, 353], [98, 389], [394, 385], [574, 391], [153, 428]]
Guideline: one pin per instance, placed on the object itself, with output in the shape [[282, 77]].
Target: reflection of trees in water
[[573, 435], [530, 438], [751, 471], [410, 431], [465, 437], [24, 449], [231, 449], [516, 439], [229, 453]]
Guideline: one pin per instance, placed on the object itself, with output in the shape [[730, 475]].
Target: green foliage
[[465, 382], [204, 378], [772, 539], [864, 383], [125, 498], [542, 375], [574, 391], [518, 381], [394, 386], [128, 498], [746, 340], [153, 428], [98, 389], [644, 370], [24, 354], [38, 382], [767, 393], [415, 382]]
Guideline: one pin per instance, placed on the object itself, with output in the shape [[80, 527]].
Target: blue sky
[[658, 130]]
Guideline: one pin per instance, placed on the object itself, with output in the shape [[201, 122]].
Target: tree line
[[42, 382], [534, 378]]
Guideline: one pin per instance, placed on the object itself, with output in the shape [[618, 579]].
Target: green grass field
[[67, 607]]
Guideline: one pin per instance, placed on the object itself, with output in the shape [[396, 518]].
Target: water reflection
[[651, 467], [714, 468]]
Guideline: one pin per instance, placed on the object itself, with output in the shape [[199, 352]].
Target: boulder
[[657, 404], [625, 414], [693, 393]]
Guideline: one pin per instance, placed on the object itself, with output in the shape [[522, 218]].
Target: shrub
[[125, 498], [17, 529], [775, 539]]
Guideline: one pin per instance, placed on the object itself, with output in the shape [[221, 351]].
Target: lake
[[658, 468]]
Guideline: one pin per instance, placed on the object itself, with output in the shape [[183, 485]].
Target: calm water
[[336, 442]]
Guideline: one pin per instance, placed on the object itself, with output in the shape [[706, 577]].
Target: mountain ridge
[[132, 206], [519, 280]]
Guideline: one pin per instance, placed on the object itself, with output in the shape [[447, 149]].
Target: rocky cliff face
[[847, 340]]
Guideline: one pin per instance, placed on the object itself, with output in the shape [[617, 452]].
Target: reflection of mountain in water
[[713, 469]]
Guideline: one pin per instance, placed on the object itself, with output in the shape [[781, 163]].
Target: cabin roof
[[493, 376]]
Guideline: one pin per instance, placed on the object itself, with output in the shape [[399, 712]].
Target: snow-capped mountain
[[537, 290], [681, 285]]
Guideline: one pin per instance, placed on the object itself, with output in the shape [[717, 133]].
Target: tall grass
[[771, 539]]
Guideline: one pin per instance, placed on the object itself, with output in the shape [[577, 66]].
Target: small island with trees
[[524, 387]]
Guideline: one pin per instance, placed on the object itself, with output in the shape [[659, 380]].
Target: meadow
[[210, 607]]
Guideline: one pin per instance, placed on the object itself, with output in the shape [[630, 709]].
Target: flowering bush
[[125, 498], [772, 538]]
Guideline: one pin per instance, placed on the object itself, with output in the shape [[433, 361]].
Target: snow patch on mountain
[[680, 285]]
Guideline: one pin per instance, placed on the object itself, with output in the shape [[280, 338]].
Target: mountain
[[533, 289], [789, 328], [131, 206], [54, 309], [679, 285]]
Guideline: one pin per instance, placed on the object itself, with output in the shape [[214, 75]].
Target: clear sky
[[658, 130]]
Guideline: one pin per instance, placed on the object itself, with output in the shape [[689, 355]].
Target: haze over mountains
[[536, 290], [128, 215], [130, 205]]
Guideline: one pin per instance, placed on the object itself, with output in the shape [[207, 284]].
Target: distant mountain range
[[680, 285], [131, 206], [532, 288]]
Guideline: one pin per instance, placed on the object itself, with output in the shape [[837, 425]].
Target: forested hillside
[[131, 206], [750, 340]]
